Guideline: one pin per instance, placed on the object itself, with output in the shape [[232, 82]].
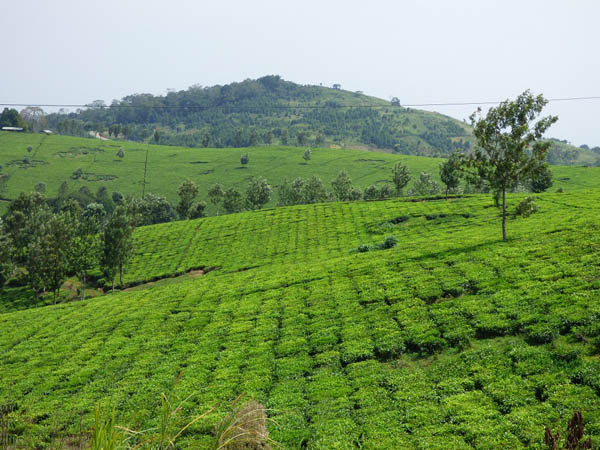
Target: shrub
[[77, 174], [389, 242], [197, 210], [363, 248], [245, 159], [386, 191], [371, 193], [526, 207], [355, 194], [121, 153]]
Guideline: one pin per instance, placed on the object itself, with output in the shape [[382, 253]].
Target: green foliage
[[245, 159], [450, 173], [541, 180], [342, 186], [371, 193], [121, 153], [232, 201], [258, 193], [187, 193], [510, 146], [526, 207], [117, 245], [11, 118], [425, 186], [401, 177], [152, 209], [306, 155], [197, 210]]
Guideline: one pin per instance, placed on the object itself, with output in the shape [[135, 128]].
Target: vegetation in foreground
[[450, 339]]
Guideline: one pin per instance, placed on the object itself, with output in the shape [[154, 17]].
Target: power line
[[225, 106]]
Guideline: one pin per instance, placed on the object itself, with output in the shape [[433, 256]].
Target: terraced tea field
[[450, 340], [54, 158], [161, 169]]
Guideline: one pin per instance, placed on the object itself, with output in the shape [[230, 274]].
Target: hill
[[270, 110], [451, 339], [161, 169]]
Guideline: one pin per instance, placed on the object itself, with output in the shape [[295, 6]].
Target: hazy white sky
[[73, 51]]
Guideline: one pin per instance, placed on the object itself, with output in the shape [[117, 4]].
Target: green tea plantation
[[451, 339]]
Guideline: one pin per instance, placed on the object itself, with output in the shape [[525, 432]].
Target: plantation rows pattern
[[451, 340]]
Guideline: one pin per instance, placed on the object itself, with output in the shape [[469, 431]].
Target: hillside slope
[[161, 169], [270, 110], [451, 340]]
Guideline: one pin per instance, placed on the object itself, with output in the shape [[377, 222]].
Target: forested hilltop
[[272, 111], [269, 110]]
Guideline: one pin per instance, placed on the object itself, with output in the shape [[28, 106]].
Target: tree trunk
[[54, 292], [504, 214], [83, 286], [113, 285], [447, 192], [121, 274]]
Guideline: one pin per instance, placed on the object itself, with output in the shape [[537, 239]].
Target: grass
[[54, 158], [451, 339]]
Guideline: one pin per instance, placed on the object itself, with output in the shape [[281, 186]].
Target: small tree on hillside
[[245, 159], [6, 256], [258, 193], [187, 193], [314, 191], [542, 180], [401, 177], [117, 245], [342, 185], [450, 173], [197, 210], [121, 153], [232, 201], [84, 251], [48, 256], [510, 148], [371, 193], [424, 185], [215, 194], [307, 155]]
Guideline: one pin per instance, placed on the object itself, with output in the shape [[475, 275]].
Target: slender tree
[[187, 193], [400, 177], [86, 246], [450, 173], [510, 146], [117, 245], [215, 194]]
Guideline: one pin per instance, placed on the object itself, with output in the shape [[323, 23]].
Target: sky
[[73, 51]]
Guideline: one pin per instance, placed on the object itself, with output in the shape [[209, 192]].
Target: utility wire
[[338, 106]]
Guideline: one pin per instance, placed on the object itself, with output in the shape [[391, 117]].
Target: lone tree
[[245, 159], [510, 148], [450, 173], [188, 191], [307, 155], [401, 177]]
